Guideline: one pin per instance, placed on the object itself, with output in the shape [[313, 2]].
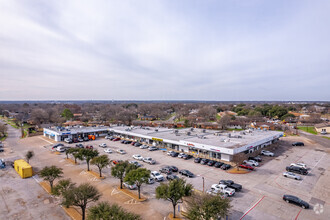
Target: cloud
[[209, 50]]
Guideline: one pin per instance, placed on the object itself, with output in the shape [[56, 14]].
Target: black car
[[187, 156], [186, 173], [298, 170], [153, 148], [211, 163], [137, 144], [298, 144], [80, 146], [197, 160], [166, 170], [128, 142], [225, 166], [174, 154], [123, 141], [231, 184], [218, 164], [2, 150], [295, 200], [204, 161], [173, 168], [257, 158], [172, 177]]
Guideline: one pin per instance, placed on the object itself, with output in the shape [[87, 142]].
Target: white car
[[221, 188], [104, 145], [292, 175], [121, 151], [143, 146], [128, 186], [181, 155], [301, 165], [108, 137], [137, 157], [109, 151], [137, 164], [157, 176], [169, 153], [60, 149], [251, 162], [149, 160], [267, 153]]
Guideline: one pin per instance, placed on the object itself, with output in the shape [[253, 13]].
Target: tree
[[224, 121], [3, 130], [88, 154], [238, 159], [174, 191], [67, 114], [80, 196], [50, 174], [29, 155], [101, 162], [138, 177], [120, 169], [63, 186], [77, 154], [105, 211], [207, 207]]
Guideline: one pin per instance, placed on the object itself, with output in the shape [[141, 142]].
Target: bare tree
[[224, 121]]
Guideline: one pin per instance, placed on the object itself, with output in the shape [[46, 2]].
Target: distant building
[[323, 127], [263, 125]]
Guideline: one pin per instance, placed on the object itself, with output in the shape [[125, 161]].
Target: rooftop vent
[[156, 130], [188, 133], [176, 131], [204, 130], [191, 129]]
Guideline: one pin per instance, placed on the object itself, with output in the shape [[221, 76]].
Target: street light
[[203, 183]]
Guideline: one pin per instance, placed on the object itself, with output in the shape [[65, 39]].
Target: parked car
[[128, 142], [116, 139], [153, 148], [173, 168], [86, 138], [137, 157], [225, 166], [187, 157], [151, 180], [181, 155], [215, 192], [157, 176], [211, 163], [133, 143], [246, 166], [129, 186], [166, 170], [257, 158], [298, 144], [123, 141], [197, 160], [292, 175], [137, 144], [302, 165], [89, 147], [251, 163], [108, 137], [68, 140], [169, 153], [267, 153], [221, 188], [80, 146], [149, 160], [231, 184], [174, 154], [186, 173], [121, 151], [204, 161], [80, 140], [2, 150], [298, 170], [57, 145], [109, 151], [116, 161], [137, 164], [295, 200], [104, 145], [143, 146], [60, 149], [218, 164], [172, 177]]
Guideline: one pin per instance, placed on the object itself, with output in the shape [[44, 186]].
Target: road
[[318, 139]]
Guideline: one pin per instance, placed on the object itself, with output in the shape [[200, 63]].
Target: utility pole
[[203, 183]]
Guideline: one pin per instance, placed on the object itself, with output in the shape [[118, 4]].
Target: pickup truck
[[231, 184], [221, 188]]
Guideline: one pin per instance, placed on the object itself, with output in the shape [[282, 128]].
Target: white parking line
[[46, 140], [312, 168]]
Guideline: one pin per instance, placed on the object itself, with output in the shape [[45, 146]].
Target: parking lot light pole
[[203, 183]]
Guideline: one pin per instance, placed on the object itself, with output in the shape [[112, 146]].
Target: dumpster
[[23, 168]]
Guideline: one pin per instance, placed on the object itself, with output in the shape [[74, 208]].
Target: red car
[[89, 147], [133, 143], [246, 166], [116, 161], [116, 139]]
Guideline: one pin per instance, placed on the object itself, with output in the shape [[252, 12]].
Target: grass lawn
[[218, 117], [3, 138], [308, 129], [233, 129]]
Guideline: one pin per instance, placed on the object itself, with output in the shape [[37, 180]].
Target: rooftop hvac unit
[[229, 135], [188, 133], [227, 140], [191, 129], [204, 130], [156, 130], [176, 131], [239, 136]]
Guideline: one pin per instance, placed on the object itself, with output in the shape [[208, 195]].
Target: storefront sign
[[249, 147], [157, 139], [214, 149]]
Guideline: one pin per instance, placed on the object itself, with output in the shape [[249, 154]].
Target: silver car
[[292, 175]]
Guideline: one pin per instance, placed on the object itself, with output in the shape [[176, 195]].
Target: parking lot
[[261, 197]]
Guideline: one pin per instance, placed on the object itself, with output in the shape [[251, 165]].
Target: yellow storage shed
[[23, 168]]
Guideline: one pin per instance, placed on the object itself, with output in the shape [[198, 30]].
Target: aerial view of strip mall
[[164, 110]]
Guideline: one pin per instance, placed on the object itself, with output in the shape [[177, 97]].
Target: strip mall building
[[221, 145]]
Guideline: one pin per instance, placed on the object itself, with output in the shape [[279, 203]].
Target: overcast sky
[[165, 50]]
